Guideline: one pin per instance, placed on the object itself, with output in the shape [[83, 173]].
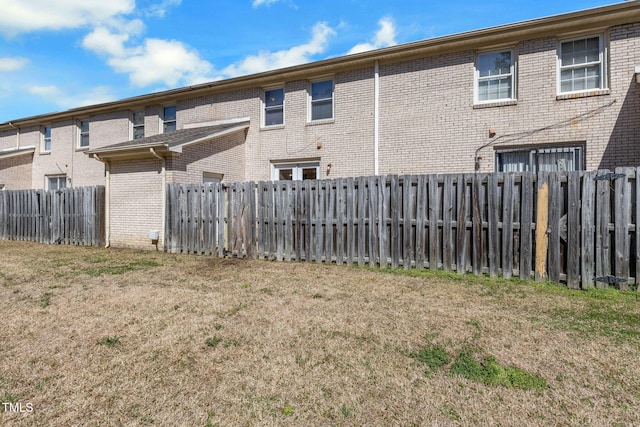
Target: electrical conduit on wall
[[376, 116]]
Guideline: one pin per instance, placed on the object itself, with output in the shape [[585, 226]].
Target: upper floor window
[[581, 64], [495, 76], [169, 119], [535, 159], [321, 100], [84, 133], [46, 139], [274, 107], [137, 123]]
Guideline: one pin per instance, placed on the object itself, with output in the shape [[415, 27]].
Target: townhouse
[[558, 92]]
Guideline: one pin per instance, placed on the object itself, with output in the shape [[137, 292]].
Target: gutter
[[598, 17]]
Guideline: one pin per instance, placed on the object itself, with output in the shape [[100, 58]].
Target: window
[[495, 76], [581, 65], [296, 171], [56, 182], [169, 119], [46, 139], [211, 177], [84, 133], [321, 100], [540, 159], [137, 124], [274, 107]]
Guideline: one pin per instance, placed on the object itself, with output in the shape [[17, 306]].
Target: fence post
[[542, 221]]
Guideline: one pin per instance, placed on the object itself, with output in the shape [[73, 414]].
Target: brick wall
[[15, 172], [135, 202], [347, 140], [429, 122], [8, 139], [224, 155]]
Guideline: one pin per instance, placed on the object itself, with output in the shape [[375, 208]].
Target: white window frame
[[578, 150], [601, 62], [135, 126], [511, 74], [163, 121], [311, 100], [49, 178], [265, 108], [45, 146], [296, 167], [82, 133]]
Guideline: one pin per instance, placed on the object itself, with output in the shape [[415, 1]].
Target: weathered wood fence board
[[572, 227], [73, 216]]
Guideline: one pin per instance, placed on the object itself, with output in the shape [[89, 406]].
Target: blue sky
[[62, 54]]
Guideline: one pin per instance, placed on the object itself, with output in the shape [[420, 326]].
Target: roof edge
[[604, 16], [15, 152]]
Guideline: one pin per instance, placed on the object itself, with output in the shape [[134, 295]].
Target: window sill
[[320, 122], [45, 153], [585, 94], [82, 148], [503, 103], [272, 127]]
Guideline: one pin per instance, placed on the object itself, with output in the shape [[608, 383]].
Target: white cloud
[[385, 36], [8, 63], [104, 42], [257, 3], [162, 61], [154, 61], [57, 96], [44, 91], [160, 9], [300, 54], [33, 15]]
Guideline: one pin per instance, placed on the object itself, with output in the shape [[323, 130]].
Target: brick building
[[553, 93]]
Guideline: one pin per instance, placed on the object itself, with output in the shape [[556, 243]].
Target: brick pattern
[[8, 139], [15, 172], [135, 202], [224, 155], [429, 123]]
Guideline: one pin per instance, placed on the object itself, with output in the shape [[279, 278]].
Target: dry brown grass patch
[[126, 338]]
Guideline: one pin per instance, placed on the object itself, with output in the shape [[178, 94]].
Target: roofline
[[178, 147], [140, 147], [144, 149], [598, 17], [15, 152]]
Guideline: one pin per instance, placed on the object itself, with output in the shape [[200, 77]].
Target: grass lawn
[[94, 336]]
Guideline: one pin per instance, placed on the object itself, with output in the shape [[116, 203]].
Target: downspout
[[164, 192], [107, 201], [17, 134], [376, 117]]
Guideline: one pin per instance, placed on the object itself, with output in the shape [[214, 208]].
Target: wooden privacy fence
[[572, 227], [68, 216]]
